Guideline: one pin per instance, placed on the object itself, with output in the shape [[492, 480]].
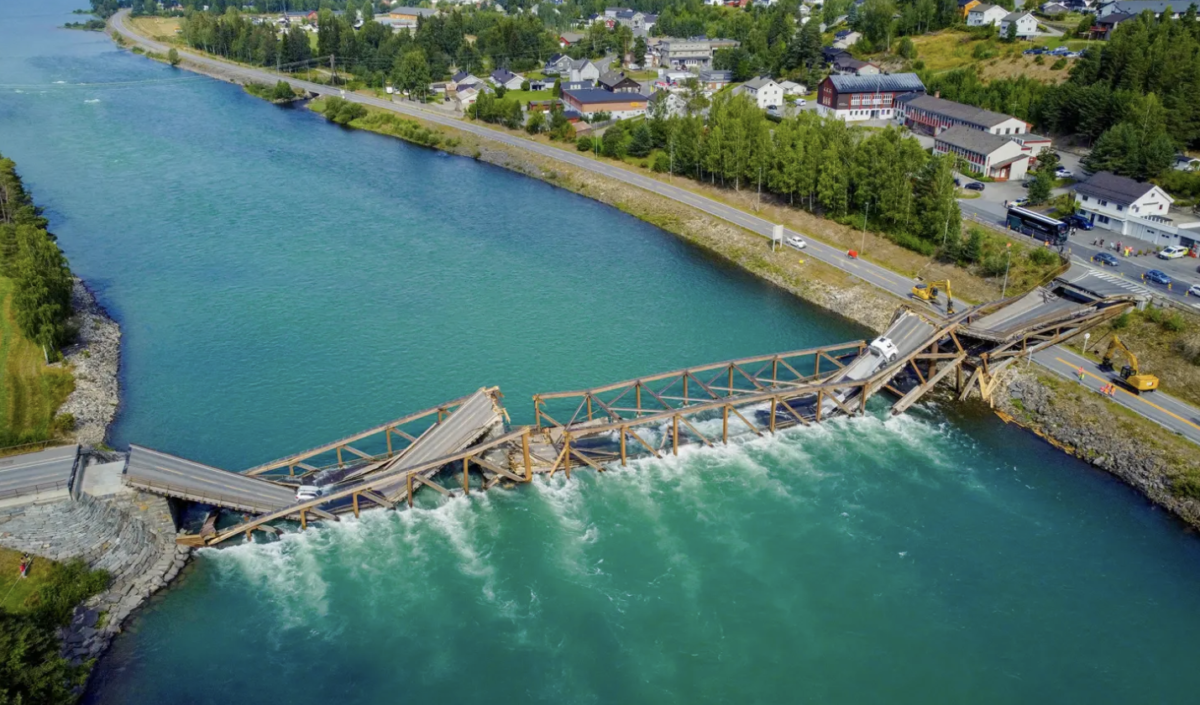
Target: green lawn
[[526, 96], [31, 392], [17, 595]]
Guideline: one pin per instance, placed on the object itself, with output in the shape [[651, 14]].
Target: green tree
[[283, 92], [1084, 28], [642, 141], [173, 57], [536, 123], [1010, 34], [639, 51], [612, 144], [32, 671], [412, 73], [1040, 186]]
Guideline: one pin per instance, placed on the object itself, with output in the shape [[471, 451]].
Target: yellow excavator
[[1131, 375], [928, 291]]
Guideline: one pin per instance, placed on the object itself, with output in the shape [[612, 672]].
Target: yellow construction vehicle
[[1130, 374], [928, 291]]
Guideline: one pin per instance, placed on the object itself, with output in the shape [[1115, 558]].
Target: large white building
[[996, 157], [1027, 26], [765, 92], [1129, 208], [983, 15], [932, 115]]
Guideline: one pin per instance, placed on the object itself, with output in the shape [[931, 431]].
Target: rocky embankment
[[95, 359], [1083, 424], [129, 534]]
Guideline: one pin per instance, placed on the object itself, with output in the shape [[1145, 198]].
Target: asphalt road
[[874, 274], [36, 472], [1168, 411]]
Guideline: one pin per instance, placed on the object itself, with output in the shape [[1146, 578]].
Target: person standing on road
[[1081, 374]]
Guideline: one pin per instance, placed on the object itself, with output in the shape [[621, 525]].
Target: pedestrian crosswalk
[[1130, 285]]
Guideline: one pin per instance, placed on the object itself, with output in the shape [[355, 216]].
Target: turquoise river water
[[281, 281]]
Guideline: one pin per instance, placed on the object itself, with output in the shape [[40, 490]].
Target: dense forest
[[29, 255], [1135, 98]]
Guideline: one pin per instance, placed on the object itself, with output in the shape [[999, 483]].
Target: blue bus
[[1037, 225]]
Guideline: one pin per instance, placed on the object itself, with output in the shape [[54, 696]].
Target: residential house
[[467, 93], [463, 78], [542, 84], [503, 77], [990, 155], [566, 39], [618, 82], [793, 88], [1052, 9], [1128, 208], [852, 98], [558, 64], [846, 39], [583, 70], [830, 54], [764, 91], [847, 65], [931, 115], [589, 101], [715, 80], [1137, 7], [1185, 163], [407, 17], [1026, 25], [983, 15], [964, 6], [1103, 27], [671, 104], [687, 53], [639, 22]]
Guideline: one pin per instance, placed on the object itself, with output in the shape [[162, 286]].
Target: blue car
[[1107, 259], [1157, 277], [1078, 221]]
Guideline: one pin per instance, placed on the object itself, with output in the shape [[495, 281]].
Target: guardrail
[[46, 486]]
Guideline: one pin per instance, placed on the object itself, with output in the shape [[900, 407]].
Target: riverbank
[[95, 359]]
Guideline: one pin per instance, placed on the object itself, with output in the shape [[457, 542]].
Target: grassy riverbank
[[31, 391], [32, 609]]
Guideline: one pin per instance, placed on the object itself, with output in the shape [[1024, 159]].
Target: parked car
[[1172, 252], [1063, 173], [1157, 277], [796, 242], [1034, 51], [1076, 220], [800, 102], [974, 186], [1194, 290], [1020, 202], [1107, 259]]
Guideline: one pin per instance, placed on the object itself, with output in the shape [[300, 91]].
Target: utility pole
[[862, 248], [759, 203]]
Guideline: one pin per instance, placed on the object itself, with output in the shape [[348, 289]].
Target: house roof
[[503, 75], [1109, 186], [599, 95], [893, 82], [1137, 7], [612, 78], [758, 82], [1014, 16], [845, 61], [716, 75], [984, 8], [957, 111], [580, 63], [577, 85], [972, 140], [1114, 18], [413, 11]]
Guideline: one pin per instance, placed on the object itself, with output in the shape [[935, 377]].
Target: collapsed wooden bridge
[[473, 440]]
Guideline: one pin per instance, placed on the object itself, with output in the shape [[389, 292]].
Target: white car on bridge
[[884, 348]]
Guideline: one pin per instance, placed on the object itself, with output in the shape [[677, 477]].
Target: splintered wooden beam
[[795, 414], [833, 398], [589, 461], [917, 392], [497, 469], [743, 418], [966, 390], [323, 514], [431, 483], [377, 499]]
